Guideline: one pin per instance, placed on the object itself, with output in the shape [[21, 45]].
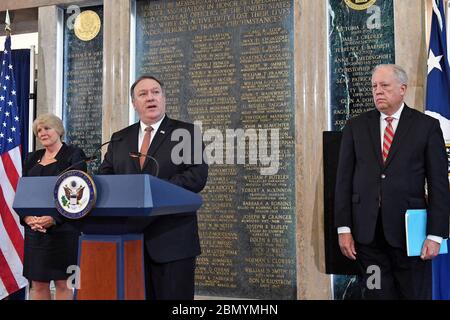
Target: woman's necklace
[[50, 156]]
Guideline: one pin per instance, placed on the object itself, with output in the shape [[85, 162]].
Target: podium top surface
[[138, 195]]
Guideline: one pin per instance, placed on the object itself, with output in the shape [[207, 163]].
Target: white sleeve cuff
[[346, 230], [435, 238]]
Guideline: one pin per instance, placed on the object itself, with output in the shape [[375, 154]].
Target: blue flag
[[438, 106], [438, 79]]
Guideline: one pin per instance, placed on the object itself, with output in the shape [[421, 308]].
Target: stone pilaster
[[411, 47], [116, 66], [311, 98], [49, 77]]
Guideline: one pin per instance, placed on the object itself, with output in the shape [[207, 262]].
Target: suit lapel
[[131, 140], [374, 129], [400, 133]]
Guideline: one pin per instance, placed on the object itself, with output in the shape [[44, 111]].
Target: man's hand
[[347, 245], [430, 249]]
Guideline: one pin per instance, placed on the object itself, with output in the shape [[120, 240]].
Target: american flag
[[438, 106], [11, 232]]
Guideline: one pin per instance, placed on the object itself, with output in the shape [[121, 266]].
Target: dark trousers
[[169, 281], [402, 277]]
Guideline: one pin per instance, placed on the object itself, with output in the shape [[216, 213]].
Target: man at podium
[[171, 242]]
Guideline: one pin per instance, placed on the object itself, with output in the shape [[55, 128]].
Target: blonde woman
[[51, 245]]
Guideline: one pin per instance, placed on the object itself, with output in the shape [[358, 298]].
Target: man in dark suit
[[171, 242], [387, 156]]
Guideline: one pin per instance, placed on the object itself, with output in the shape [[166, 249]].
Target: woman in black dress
[[51, 245]]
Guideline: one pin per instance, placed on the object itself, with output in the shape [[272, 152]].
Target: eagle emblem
[[74, 195]]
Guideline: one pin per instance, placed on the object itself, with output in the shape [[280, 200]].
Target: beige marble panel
[[415, 97], [411, 47], [47, 95], [116, 65], [311, 120], [22, 21], [21, 4]]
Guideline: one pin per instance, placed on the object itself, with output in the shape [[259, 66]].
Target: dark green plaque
[[229, 64], [83, 78], [361, 35]]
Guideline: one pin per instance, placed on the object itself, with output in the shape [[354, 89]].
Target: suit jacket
[[167, 238], [365, 186]]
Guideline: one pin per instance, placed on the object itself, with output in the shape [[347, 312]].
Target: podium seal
[[359, 4], [75, 194], [87, 25]]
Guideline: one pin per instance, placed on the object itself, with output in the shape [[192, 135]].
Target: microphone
[[138, 155], [92, 157]]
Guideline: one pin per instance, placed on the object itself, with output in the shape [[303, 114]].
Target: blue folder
[[416, 229]]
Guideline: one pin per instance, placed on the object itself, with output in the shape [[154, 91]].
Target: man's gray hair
[[145, 76], [399, 73]]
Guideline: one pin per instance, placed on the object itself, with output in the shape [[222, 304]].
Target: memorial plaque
[[361, 35], [228, 66], [83, 77]]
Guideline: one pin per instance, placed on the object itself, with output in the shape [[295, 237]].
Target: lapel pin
[[162, 131]]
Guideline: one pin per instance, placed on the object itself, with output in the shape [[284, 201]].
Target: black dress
[[47, 255]]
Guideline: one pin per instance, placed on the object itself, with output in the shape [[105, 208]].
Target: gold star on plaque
[[87, 25]]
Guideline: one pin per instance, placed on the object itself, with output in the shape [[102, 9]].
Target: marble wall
[[311, 99], [411, 47], [49, 73]]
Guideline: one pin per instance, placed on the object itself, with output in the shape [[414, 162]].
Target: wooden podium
[[110, 253], [116, 267]]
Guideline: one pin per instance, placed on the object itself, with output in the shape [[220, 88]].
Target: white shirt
[[383, 125], [155, 127]]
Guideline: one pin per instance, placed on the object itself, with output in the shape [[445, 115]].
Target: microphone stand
[[138, 155], [85, 160], [91, 158]]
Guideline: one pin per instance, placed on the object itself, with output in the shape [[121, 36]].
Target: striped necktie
[[387, 138]]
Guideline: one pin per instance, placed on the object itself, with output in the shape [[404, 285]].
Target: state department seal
[[359, 4], [87, 25], [74, 194]]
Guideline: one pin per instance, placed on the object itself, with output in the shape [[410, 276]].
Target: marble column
[[49, 79], [116, 66], [411, 47], [311, 98]]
